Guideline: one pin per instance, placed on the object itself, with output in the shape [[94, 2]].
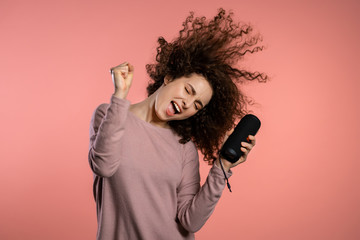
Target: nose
[[186, 103]]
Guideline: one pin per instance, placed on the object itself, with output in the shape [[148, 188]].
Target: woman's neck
[[145, 110]]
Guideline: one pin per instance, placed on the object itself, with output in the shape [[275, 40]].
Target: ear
[[166, 79]]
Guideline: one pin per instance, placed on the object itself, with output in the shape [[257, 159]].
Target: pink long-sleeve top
[[146, 184]]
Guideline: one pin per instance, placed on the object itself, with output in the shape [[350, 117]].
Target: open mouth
[[176, 107]]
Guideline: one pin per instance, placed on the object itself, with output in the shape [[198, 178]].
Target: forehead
[[198, 82]]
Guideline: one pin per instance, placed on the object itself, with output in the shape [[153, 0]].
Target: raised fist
[[122, 76]]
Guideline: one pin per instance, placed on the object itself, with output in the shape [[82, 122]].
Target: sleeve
[[195, 203], [106, 130]]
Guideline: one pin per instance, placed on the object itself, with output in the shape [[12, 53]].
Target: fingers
[[246, 147], [252, 139], [123, 68], [245, 150], [124, 64], [130, 71], [131, 68], [112, 69]]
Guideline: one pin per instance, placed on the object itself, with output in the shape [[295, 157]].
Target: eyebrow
[[194, 93]]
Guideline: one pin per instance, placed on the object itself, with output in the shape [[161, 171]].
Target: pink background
[[302, 179]]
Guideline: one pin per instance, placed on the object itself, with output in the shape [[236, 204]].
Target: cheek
[[158, 106], [156, 102], [160, 100], [191, 113]]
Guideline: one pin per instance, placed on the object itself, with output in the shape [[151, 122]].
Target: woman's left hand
[[245, 148]]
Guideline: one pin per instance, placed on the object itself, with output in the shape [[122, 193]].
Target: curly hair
[[211, 49]]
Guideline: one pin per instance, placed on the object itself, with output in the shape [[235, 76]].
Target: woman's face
[[182, 98]]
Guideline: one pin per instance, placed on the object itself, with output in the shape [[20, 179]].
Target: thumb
[[130, 69]]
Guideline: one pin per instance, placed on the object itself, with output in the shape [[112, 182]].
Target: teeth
[[176, 107]]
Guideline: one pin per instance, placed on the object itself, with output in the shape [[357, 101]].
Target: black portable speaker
[[248, 125]]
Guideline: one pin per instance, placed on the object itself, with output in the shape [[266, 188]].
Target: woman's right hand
[[122, 76]]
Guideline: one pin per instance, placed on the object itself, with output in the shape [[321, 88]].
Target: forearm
[[195, 213], [104, 150]]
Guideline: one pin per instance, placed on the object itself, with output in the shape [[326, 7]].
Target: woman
[[145, 156]]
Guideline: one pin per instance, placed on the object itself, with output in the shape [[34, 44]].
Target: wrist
[[226, 164], [224, 170], [119, 95]]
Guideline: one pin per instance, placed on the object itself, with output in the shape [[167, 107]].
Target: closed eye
[[198, 105]]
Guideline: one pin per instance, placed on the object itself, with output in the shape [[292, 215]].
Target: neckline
[[169, 130]]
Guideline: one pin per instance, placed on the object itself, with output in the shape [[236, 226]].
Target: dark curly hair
[[211, 49]]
